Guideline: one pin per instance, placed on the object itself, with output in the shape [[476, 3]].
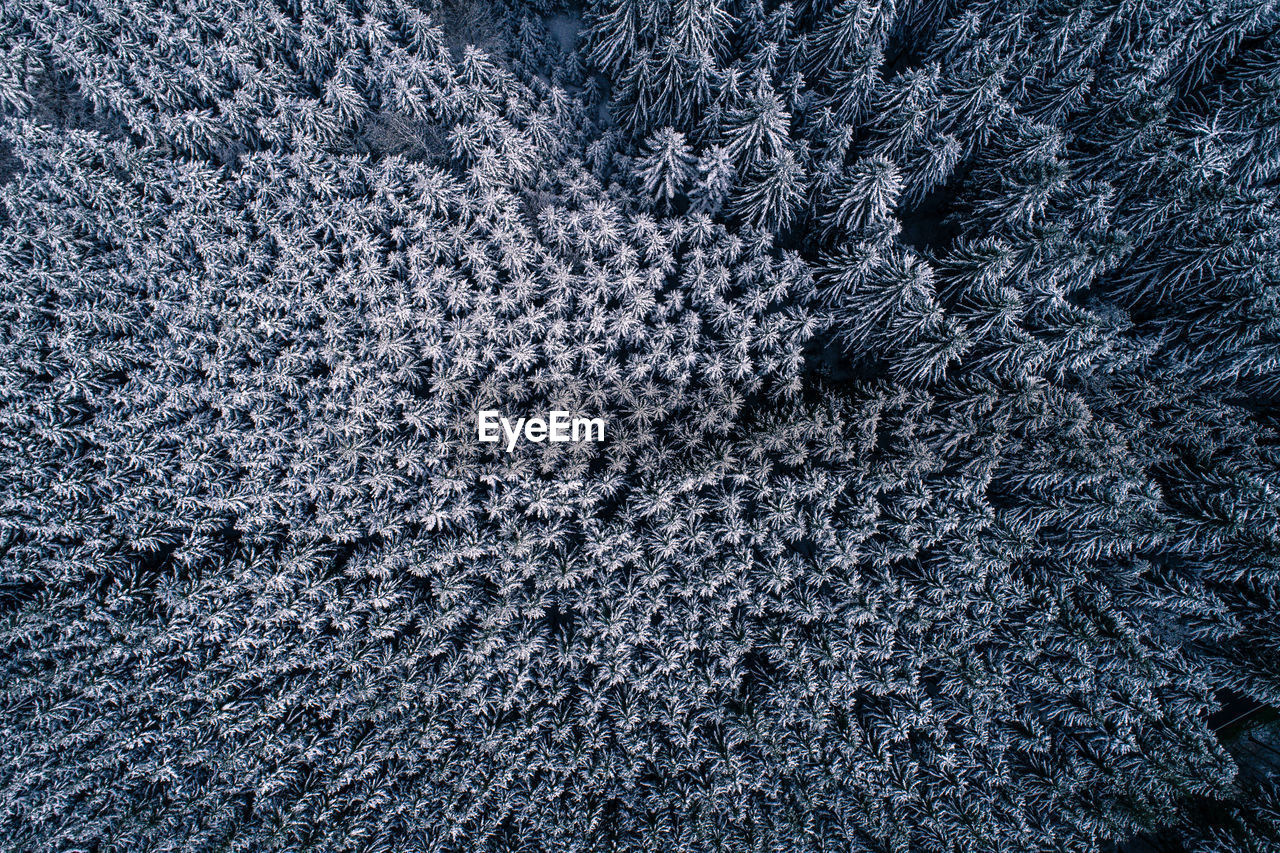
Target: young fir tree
[[666, 167]]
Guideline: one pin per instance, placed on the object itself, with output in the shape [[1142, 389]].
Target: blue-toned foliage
[[937, 342]]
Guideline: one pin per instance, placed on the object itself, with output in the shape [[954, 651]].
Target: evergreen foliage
[[939, 347]]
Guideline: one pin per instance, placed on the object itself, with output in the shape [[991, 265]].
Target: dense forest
[[939, 347]]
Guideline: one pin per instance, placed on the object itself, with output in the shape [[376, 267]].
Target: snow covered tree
[[936, 343], [771, 195], [666, 166]]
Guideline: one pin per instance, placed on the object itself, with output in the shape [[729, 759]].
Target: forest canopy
[[939, 347]]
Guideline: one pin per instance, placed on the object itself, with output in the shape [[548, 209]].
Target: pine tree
[[759, 129], [771, 195], [716, 174], [865, 196], [666, 167]]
